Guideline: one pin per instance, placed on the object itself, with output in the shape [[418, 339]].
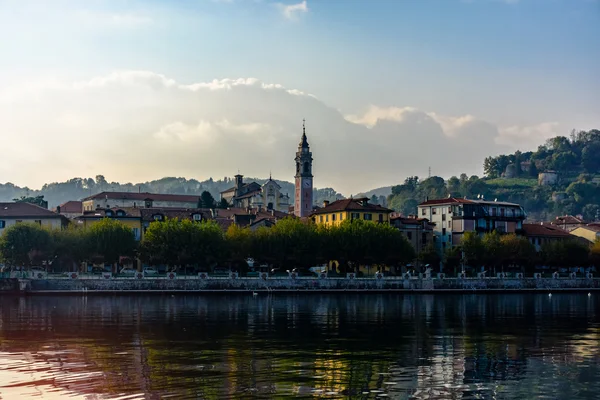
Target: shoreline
[[246, 286]]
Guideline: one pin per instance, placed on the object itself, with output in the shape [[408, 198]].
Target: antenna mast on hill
[[429, 172]]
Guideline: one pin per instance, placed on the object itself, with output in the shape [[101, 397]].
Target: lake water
[[513, 346]]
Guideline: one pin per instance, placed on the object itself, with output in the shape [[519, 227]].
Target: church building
[[252, 195]]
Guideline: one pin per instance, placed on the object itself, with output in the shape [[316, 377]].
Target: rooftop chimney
[[325, 203]]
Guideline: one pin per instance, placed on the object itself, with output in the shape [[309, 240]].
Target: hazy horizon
[[138, 91]]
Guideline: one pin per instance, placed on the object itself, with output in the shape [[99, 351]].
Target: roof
[[249, 194], [498, 203], [148, 214], [71, 207], [359, 204], [130, 212], [411, 221], [141, 196], [591, 227], [450, 200], [569, 220], [25, 210], [544, 230]]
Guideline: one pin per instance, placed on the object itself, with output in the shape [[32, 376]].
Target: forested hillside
[[514, 178], [77, 188]]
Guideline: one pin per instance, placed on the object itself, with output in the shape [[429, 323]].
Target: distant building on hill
[[455, 216], [139, 200], [547, 178]]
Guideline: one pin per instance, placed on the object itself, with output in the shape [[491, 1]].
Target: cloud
[[290, 11], [140, 125], [528, 137]]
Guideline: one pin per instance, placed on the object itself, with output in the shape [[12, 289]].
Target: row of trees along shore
[[291, 243]]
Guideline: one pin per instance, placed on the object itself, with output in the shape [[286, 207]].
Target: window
[[449, 210], [320, 218], [197, 217], [493, 211], [341, 216], [157, 217], [368, 217], [148, 203], [443, 217], [136, 233], [502, 212], [327, 218], [109, 213], [434, 211], [355, 215], [2, 224], [38, 221], [423, 212], [120, 213], [333, 217], [380, 217]]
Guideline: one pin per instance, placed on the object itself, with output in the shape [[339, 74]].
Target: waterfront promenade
[[207, 284]]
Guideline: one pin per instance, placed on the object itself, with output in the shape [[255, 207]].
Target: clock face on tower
[[306, 184]]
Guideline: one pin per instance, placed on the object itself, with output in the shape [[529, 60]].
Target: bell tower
[[303, 199]]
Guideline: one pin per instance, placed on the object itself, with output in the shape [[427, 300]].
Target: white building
[[15, 213], [455, 216], [139, 200]]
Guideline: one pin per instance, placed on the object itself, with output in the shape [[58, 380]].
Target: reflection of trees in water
[[217, 346]]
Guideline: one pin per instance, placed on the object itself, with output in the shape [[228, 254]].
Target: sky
[[139, 90]]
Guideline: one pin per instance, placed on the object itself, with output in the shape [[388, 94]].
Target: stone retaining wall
[[287, 284]]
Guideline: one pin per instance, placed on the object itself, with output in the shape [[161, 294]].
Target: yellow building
[[332, 214], [589, 232], [130, 217]]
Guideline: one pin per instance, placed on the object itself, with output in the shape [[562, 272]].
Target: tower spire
[[304, 141]]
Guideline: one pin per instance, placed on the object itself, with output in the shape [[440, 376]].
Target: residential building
[[418, 231], [108, 200], [250, 217], [129, 216], [590, 232], [335, 213], [15, 213], [455, 216], [540, 234], [253, 195], [70, 209], [569, 222], [303, 196]]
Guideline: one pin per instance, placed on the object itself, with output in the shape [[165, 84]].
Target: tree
[[595, 254], [24, 245], [207, 200], [490, 167], [429, 256], [591, 212], [223, 204], [533, 171], [565, 253], [70, 247], [178, 243], [493, 249], [473, 249], [517, 251], [110, 239], [590, 157], [37, 200], [453, 257], [238, 242]]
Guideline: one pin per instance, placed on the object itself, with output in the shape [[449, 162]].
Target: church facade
[[253, 195]]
